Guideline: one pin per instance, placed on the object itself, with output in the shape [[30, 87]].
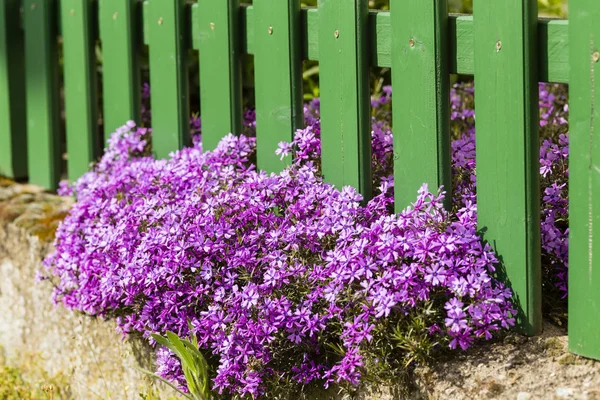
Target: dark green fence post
[[220, 69], [422, 84], [41, 89], [508, 199], [584, 178], [118, 23], [13, 137], [79, 41], [168, 75], [278, 77], [345, 96]]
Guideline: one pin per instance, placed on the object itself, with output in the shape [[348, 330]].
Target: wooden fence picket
[[507, 159], [584, 179]]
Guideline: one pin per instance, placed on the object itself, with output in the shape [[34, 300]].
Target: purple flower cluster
[[284, 278], [554, 171]]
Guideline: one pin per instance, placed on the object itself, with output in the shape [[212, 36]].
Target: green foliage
[[553, 8], [311, 80], [193, 364]]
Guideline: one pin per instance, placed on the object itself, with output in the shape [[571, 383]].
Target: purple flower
[[275, 270]]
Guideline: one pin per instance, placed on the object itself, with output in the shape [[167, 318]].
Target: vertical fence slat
[[345, 97], [507, 146], [278, 77], [41, 88], [420, 109], [13, 138], [118, 23], [584, 178], [220, 70], [79, 39], [168, 75]]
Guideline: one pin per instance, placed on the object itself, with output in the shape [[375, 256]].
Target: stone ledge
[[88, 351]]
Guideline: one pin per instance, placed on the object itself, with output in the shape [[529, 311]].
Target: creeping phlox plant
[[285, 279], [554, 174]]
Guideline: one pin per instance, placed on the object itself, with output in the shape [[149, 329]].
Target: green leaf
[[163, 380], [193, 348], [163, 341], [192, 334], [179, 348], [310, 72]]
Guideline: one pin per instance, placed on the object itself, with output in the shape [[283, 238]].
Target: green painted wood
[[345, 95], [277, 78], [118, 24], [80, 80], [247, 31], [168, 75], [421, 119], [41, 89], [584, 179], [146, 24], [553, 47], [508, 198], [13, 138], [196, 26], [460, 32], [220, 70], [553, 50]]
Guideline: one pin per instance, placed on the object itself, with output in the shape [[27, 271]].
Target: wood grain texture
[[345, 96], [277, 78], [169, 44], [421, 110], [119, 25], [79, 39], [584, 179], [220, 69], [508, 199], [41, 91]]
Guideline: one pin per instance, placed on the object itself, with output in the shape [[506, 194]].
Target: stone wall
[[89, 352]]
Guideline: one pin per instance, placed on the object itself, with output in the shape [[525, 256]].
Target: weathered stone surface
[[97, 362]]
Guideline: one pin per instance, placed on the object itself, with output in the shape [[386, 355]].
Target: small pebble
[[523, 396], [565, 392]]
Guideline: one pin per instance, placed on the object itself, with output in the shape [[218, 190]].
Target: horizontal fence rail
[[123, 24], [504, 45], [552, 56]]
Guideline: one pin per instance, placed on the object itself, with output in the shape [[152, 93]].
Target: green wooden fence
[[504, 45]]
